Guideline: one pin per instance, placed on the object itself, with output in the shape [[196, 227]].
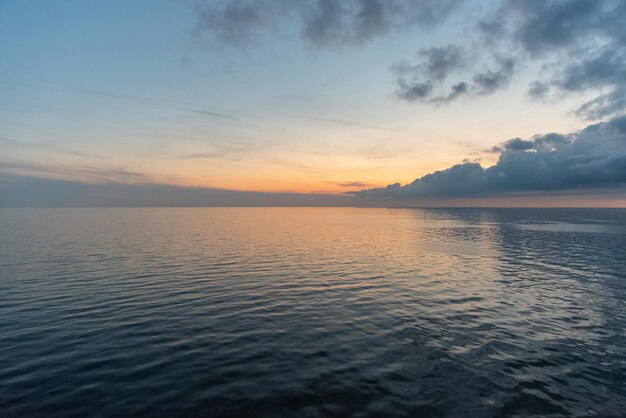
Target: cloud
[[321, 23], [541, 26], [440, 62], [235, 23], [168, 104], [538, 90], [593, 157], [14, 143], [580, 46], [490, 81], [350, 184], [439, 75], [416, 81], [28, 191], [351, 123], [88, 173], [604, 105], [221, 150], [604, 71], [331, 23]]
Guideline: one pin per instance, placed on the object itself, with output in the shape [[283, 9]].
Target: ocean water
[[312, 312]]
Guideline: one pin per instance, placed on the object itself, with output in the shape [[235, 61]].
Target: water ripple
[[312, 312]]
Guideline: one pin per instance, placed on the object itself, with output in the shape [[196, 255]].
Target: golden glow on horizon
[[319, 158]]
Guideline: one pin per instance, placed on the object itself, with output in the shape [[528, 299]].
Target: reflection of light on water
[[574, 227], [470, 312], [459, 248]]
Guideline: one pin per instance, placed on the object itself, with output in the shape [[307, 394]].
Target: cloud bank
[[30, 191], [592, 158]]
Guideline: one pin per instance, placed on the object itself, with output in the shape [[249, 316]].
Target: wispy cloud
[[168, 104], [14, 143], [350, 123], [350, 184], [87, 173]]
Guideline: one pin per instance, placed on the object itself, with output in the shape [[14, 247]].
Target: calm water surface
[[308, 312]]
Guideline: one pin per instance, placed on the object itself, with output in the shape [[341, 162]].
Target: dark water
[[312, 312]]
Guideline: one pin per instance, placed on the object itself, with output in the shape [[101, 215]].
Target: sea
[[312, 312]]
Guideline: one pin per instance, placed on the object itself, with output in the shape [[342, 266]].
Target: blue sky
[[320, 97]]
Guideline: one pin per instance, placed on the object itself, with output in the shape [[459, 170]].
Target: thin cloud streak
[[51, 147], [74, 172], [66, 88], [349, 184], [349, 123]]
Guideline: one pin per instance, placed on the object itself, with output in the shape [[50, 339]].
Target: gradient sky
[[320, 97]]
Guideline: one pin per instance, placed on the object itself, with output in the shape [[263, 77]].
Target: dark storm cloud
[[593, 157], [321, 23]]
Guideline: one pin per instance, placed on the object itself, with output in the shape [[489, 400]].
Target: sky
[[323, 102]]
